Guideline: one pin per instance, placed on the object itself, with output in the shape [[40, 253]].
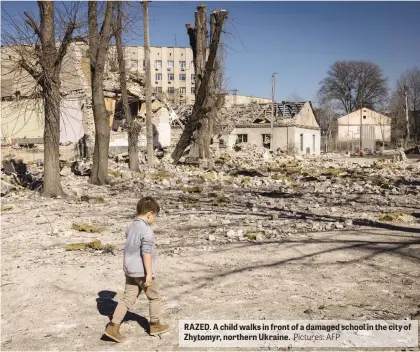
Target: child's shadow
[[106, 306]]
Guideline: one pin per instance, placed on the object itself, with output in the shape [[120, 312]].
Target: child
[[139, 268]]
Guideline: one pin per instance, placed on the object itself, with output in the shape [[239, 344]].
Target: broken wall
[[255, 136], [161, 121], [25, 119]]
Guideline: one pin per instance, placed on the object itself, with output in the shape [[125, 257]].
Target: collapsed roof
[[249, 114]]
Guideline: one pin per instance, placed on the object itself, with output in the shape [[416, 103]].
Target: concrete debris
[[401, 156], [260, 200], [126, 175], [80, 168], [231, 234], [413, 150], [248, 155], [159, 153], [6, 188], [246, 219], [245, 114], [112, 84], [20, 175]]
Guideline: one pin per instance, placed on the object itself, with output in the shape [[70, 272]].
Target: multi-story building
[[172, 70]]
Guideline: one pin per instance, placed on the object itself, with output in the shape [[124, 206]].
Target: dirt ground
[[54, 299]]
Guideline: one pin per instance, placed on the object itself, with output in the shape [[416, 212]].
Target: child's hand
[[148, 281]]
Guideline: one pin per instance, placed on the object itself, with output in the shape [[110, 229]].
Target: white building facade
[[375, 126], [300, 133], [172, 70]]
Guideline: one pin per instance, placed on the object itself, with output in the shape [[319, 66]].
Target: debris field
[[262, 236]]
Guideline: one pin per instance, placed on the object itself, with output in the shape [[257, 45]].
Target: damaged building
[[376, 127], [295, 127], [22, 110], [243, 119], [137, 104]]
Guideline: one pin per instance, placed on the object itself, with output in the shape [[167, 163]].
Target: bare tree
[[42, 59], [326, 113], [411, 80], [205, 104], [354, 84], [98, 47], [112, 59], [133, 126], [202, 137]]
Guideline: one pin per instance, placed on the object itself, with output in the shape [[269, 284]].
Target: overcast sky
[[298, 40]]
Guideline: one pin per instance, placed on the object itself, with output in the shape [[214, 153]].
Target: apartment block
[[172, 70]]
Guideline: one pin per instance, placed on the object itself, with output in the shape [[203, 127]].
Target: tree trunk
[[199, 56], [44, 65], [207, 133], [132, 131], [149, 123], [98, 48], [51, 96], [202, 105], [99, 174], [52, 186]]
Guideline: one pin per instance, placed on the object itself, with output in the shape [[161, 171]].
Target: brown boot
[[156, 328], [113, 332]]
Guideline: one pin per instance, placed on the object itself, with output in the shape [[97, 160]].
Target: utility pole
[[406, 116], [348, 94], [361, 132], [149, 124], [235, 91], [273, 89], [348, 132]]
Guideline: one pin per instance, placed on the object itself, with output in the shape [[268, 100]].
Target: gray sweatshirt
[[140, 240]]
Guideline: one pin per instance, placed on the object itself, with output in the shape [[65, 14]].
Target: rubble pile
[[18, 174], [368, 207], [413, 150], [252, 194], [134, 84], [249, 155]]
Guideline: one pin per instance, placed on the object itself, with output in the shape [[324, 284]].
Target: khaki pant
[[133, 288]]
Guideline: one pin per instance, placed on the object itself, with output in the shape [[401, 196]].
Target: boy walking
[[139, 269]]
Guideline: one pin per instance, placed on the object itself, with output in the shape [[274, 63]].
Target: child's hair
[[147, 204]]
